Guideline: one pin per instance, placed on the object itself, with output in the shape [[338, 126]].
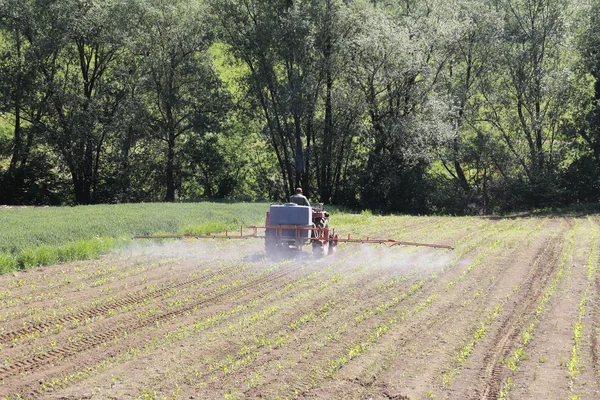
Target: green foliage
[[209, 227], [6, 131], [8, 263], [34, 227], [459, 106]]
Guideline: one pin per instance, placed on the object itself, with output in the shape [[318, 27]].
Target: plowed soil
[[511, 312]]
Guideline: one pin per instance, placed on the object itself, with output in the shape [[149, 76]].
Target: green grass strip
[[82, 249]]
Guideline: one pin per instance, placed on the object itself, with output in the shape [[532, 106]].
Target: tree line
[[464, 106]]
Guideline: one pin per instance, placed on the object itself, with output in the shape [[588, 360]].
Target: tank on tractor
[[290, 226]]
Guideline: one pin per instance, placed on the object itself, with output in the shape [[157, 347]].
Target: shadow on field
[[573, 211]]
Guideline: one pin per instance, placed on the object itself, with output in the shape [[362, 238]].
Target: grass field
[[33, 236], [37, 236]]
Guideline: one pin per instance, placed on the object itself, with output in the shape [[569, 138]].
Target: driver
[[299, 198]]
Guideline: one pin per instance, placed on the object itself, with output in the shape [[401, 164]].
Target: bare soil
[[511, 312]]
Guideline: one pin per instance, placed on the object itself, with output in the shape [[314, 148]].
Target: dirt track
[[512, 312]]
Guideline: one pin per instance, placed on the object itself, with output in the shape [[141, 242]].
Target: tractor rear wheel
[[271, 247], [332, 244], [320, 249]]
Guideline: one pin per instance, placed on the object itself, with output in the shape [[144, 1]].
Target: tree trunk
[[327, 156], [96, 169], [81, 187], [17, 141], [170, 196], [327, 153], [17, 148], [299, 156], [124, 180], [458, 168], [308, 154]]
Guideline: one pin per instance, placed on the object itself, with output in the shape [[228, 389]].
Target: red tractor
[[291, 226]]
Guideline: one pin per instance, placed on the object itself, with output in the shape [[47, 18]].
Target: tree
[[33, 36], [274, 41], [590, 51], [183, 92], [532, 91], [96, 37], [396, 69], [471, 153], [337, 120]]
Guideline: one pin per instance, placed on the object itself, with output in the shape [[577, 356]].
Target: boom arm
[[317, 232]]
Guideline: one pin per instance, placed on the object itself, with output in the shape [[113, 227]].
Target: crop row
[[515, 358], [111, 306], [484, 325], [181, 333], [400, 316], [242, 288], [577, 327], [144, 303]]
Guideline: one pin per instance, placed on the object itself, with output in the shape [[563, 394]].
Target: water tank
[[291, 214]]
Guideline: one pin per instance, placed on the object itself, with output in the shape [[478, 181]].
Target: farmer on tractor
[[299, 198]]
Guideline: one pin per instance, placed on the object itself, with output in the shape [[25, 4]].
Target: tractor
[[289, 227]]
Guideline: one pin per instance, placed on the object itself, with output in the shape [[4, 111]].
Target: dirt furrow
[[493, 371], [553, 366], [129, 326], [128, 300]]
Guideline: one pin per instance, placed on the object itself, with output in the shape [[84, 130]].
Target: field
[[511, 312], [45, 235]]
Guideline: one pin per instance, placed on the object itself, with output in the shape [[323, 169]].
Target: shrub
[[8, 263]]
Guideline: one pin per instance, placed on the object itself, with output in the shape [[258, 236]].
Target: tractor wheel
[[332, 244], [271, 247], [320, 249], [321, 224]]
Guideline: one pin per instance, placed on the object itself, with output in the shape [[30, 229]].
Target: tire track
[[129, 326], [139, 297], [445, 316], [509, 332]]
